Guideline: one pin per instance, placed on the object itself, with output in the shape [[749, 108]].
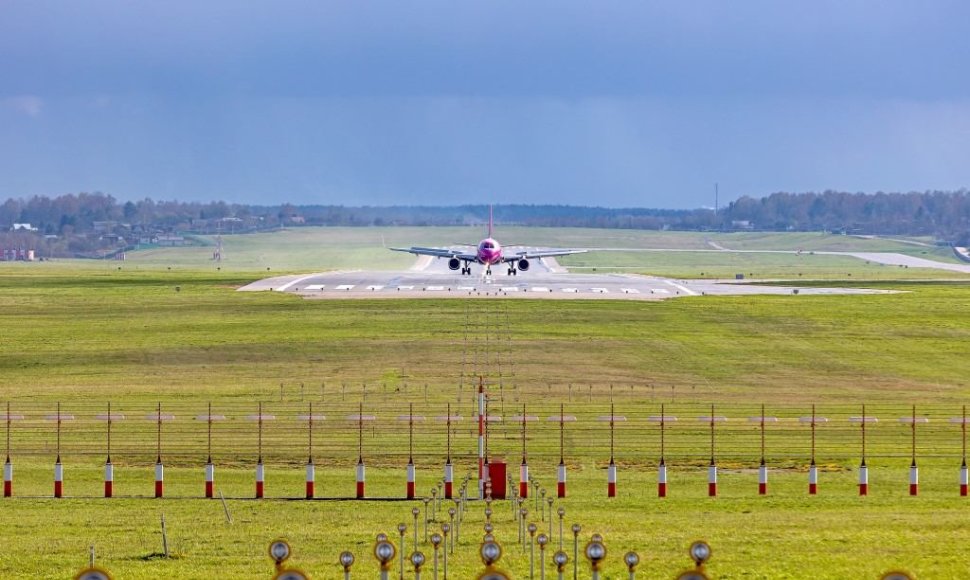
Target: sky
[[617, 104]]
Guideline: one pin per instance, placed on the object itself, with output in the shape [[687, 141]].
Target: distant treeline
[[945, 214]]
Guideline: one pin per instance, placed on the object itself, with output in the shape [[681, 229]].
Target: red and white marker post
[[662, 467], [360, 453], [712, 468], [762, 468], [58, 468], [260, 472], [109, 469], [913, 469], [481, 437], [159, 468], [611, 469], [409, 491], [311, 471], [524, 467], [449, 468], [561, 469], [963, 465], [210, 470], [863, 468], [7, 466]]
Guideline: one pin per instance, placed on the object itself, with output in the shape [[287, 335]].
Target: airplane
[[488, 253]]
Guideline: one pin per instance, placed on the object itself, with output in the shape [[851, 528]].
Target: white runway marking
[[509, 288], [434, 288], [599, 290], [539, 289], [286, 286], [683, 289], [315, 287], [345, 287], [629, 290], [375, 287], [405, 287], [466, 288], [570, 290]]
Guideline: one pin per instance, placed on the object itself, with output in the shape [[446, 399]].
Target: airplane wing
[[536, 254], [437, 252]]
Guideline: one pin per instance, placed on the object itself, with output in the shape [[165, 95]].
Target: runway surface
[[431, 278]]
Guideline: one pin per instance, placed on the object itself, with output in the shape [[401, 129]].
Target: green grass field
[[84, 334]]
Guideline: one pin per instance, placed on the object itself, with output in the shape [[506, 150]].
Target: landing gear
[[513, 272], [488, 271], [466, 271]]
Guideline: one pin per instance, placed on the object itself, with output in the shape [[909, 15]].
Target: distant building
[[16, 255], [742, 225], [170, 241], [23, 227]]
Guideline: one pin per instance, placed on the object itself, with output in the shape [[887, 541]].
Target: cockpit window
[[488, 245]]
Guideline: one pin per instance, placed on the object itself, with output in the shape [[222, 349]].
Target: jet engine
[[523, 265], [454, 263]]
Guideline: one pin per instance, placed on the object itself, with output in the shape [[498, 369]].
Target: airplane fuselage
[[489, 252]]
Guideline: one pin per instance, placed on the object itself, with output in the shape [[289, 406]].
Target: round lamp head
[[279, 551], [560, 559], [346, 560], [436, 539], [490, 552], [381, 537], [631, 559], [417, 559], [595, 552], [700, 552], [576, 529], [415, 512], [488, 538], [561, 511], [489, 528], [445, 528], [488, 512], [402, 528], [452, 512], [532, 529], [542, 540], [597, 538], [384, 551]]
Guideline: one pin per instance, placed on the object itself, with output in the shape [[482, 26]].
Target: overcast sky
[[595, 103]]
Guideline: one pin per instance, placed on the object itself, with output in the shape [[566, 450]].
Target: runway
[[545, 279]]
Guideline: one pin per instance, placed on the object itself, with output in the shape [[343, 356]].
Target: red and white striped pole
[[109, 469], [561, 470], [481, 437], [360, 479], [662, 468], [311, 473], [611, 469], [159, 468], [109, 478], [712, 480], [913, 470], [963, 465], [58, 478], [360, 452], [8, 478], [58, 468], [561, 480], [611, 479], [159, 478], [210, 477], [712, 469], [863, 469], [449, 469], [260, 472], [409, 491], [260, 478], [7, 466], [410, 483], [210, 470], [763, 468], [524, 468]]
